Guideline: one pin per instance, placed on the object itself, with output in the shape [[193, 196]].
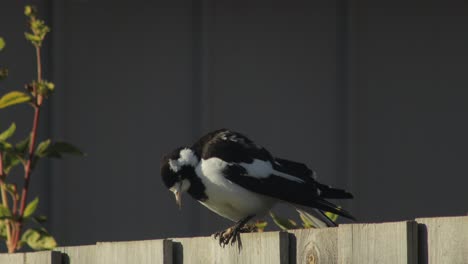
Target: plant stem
[[39, 98], [5, 203], [28, 167], [32, 145]]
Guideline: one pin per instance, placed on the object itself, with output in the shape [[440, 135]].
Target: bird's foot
[[249, 228], [232, 234], [228, 236]]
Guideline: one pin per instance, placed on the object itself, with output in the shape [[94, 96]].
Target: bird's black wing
[[297, 169], [301, 171], [301, 193], [230, 146]]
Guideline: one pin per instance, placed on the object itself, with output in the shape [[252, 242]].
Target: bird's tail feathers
[[333, 193], [326, 206]]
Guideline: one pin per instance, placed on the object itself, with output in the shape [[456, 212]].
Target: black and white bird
[[238, 179]]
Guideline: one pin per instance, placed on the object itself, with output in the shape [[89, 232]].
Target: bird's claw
[[231, 236], [248, 228], [227, 236]]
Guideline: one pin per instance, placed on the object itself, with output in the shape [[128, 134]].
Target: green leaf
[[2, 43], [8, 133], [56, 150], [13, 98], [11, 188], [22, 146], [310, 221], [36, 40], [3, 73], [6, 147], [38, 239], [306, 222], [45, 88], [283, 223], [67, 148], [3, 229], [43, 148], [332, 216], [40, 219], [5, 213], [10, 161], [29, 11], [261, 225], [31, 208]]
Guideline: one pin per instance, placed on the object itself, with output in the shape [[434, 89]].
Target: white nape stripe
[[264, 169], [187, 157]]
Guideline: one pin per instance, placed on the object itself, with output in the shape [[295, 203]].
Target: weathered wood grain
[[268, 247], [443, 240], [313, 246], [78, 254], [43, 257], [391, 243], [142, 252], [17, 258]]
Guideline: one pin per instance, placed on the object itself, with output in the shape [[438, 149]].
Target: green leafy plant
[[15, 212], [308, 221]]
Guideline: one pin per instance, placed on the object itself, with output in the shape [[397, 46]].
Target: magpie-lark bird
[[238, 179]]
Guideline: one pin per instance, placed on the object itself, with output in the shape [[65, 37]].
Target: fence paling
[[269, 247], [444, 240], [378, 243], [429, 240]]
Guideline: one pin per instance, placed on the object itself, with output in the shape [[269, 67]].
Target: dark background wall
[[371, 94]]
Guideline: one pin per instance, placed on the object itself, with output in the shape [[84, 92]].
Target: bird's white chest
[[227, 198]]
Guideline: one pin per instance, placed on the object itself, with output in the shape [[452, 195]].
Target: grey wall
[[410, 104], [369, 94]]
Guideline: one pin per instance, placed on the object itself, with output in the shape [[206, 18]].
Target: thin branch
[[32, 146], [28, 168]]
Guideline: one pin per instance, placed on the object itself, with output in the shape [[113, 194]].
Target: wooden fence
[[425, 240]]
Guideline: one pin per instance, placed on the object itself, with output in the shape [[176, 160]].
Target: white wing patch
[[258, 169], [264, 169], [186, 157]]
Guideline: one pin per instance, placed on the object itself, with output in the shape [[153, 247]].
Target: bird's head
[[177, 168]]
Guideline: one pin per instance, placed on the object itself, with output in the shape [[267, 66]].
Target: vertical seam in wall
[[346, 101], [351, 89], [56, 114], [196, 35], [202, 20], [46, 118], [343, 145], [207, 21]]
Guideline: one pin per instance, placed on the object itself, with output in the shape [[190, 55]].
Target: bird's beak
[[178, 198], [177, 190]]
